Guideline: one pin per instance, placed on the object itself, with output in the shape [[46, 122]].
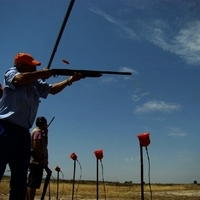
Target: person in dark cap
[[39, 156], [23, 87]]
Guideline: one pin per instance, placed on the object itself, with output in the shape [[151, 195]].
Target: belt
[[13, 126]]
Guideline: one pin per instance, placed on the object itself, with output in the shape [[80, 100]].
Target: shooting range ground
[[114, 191]]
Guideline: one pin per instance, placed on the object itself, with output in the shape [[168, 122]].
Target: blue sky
[[158, 41]]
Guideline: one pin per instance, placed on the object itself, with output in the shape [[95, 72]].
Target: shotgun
[[49, 172], [86, 73], [46, 182]]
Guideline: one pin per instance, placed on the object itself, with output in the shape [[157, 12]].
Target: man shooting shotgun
[[23, 88]]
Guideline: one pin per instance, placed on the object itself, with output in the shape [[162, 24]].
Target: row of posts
[[144, 142]]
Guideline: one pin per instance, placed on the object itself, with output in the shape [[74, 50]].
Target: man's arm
[[58, 87], [24, 78], [38, 152], [38, 149]]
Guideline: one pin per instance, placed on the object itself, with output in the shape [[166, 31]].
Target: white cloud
[[180, 36], [136, 97], [128, 69], [186, 43], [125, 30], [176, 132], [157, 106], [107, 79], [129, 159]]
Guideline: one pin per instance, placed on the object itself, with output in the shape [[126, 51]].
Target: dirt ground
[[167, 195], [113, 191]]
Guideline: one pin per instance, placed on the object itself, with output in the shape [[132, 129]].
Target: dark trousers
[[15, 148]]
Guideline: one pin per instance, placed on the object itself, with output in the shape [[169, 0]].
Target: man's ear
[[18, 67]]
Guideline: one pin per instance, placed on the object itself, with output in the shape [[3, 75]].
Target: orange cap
[[26, 58]]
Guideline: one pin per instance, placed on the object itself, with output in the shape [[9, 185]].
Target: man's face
[[24, 67]]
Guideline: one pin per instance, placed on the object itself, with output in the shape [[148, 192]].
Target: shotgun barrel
[[86, 73]]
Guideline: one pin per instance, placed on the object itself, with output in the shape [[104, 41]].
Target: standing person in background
[[23, 87], [39, 156]]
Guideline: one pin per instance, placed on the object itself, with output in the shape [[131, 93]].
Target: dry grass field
[[86, 190]]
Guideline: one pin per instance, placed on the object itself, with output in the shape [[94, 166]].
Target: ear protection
[[40, 121]]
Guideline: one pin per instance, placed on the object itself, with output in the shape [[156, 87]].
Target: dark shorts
[[35, 176]]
